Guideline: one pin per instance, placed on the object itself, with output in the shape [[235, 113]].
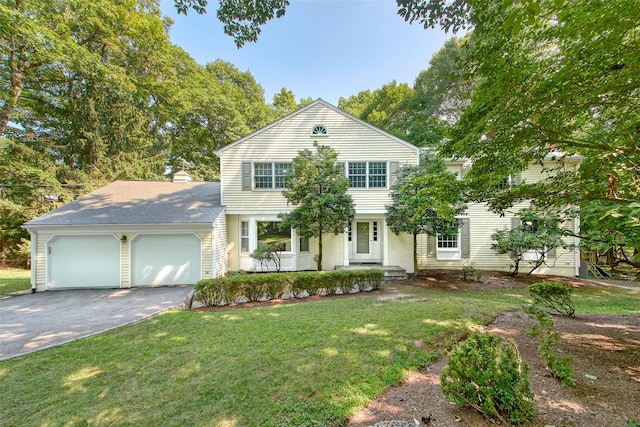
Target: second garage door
[[160, 259]]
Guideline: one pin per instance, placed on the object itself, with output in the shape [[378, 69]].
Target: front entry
[[365, 241]]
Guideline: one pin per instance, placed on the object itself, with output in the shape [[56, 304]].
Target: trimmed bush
[[553, 295], [225, 290], [487, 374]]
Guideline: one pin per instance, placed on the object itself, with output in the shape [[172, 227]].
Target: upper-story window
[[319, 130], [272, 175], [367, 174]]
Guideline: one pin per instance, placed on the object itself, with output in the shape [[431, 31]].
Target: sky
[[320, 49]]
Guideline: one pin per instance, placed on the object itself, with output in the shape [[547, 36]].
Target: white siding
[[220, 259], [352, 140], [482, 225]]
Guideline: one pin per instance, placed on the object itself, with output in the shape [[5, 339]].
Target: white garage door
[[84, 261], [160, 259]]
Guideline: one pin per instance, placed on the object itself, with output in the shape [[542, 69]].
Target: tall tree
[[220, 104], [426, 200], [318, 190], [284, 102], [442, 93], [385, 108]]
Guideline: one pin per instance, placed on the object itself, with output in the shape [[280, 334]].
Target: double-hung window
[[367, 174], [272, 175], [448, 246]]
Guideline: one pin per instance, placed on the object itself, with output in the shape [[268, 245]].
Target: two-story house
[[163, 233], [254, 169]]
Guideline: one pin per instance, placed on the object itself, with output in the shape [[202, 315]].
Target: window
[[244, 236], [281, 172], [377, 174], [358, 174], [319, 130], [447, 241], [508, 182], [272, 232], [367, 174], [448, 246], [304, 244], [263, 175], [271, 175]]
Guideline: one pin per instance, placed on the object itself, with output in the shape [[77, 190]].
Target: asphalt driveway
[[35, 321]]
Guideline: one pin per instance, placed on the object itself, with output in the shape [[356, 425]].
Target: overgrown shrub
[[487, 374], [553, 295], [254, 287], [560, 366]]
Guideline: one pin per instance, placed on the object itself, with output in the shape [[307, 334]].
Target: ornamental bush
[[225, 290], [486, 373], [553, 295]]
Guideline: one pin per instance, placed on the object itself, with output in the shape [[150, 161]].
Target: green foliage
[[425, 199], [559, 366], [267, 254], [469, 272], [226, 290], [554, 295], [536, 235], [218, 105], [318, 191], [487, 374]]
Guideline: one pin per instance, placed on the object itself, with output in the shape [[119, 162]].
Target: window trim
[[368, 175], [291, 241], [244, 238], [449, 253], [273, 178]]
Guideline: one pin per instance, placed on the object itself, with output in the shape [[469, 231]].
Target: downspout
[[34, 247]]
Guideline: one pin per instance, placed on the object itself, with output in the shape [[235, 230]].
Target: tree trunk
[[415, 253], [320, 251], [16, 68]]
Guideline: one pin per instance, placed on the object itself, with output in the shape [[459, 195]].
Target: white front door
[[365, 241]]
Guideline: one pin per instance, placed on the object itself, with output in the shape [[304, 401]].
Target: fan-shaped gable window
[[319, 130]]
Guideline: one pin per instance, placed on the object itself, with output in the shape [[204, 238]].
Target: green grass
[[14, 279], [309, 364], [597, 300]]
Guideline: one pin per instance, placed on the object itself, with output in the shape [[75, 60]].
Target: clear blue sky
[[320, 49]]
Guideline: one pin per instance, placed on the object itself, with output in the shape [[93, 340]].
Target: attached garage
[[131, 233], [160, 259]]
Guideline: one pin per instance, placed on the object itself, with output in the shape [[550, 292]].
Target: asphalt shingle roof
[[140, 202]]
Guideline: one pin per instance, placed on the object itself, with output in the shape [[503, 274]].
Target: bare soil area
[[606, 351]]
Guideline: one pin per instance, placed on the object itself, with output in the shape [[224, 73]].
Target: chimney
[[181, 176]]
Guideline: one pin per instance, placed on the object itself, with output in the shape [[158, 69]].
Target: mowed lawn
[[14, 279], [305, 364]]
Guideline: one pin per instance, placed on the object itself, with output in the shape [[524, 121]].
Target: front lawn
[[14, 279], [306, 364]]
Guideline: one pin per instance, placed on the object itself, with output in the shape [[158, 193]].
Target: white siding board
[[351, 139]]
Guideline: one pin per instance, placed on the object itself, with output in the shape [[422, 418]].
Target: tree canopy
[[317, 189]]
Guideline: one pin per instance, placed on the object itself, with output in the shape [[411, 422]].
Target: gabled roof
[[139, 202], [324, 103]]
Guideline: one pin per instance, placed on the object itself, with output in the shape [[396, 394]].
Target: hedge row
[[260, 286]]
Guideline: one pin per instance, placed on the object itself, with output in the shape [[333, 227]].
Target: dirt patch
[[606, 351]]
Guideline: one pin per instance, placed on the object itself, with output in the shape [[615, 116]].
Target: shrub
[[469, 272], [553, 295], [487, 374], [228, 289], [559, 366]]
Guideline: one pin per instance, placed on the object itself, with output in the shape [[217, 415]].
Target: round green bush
[[486, 373]]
